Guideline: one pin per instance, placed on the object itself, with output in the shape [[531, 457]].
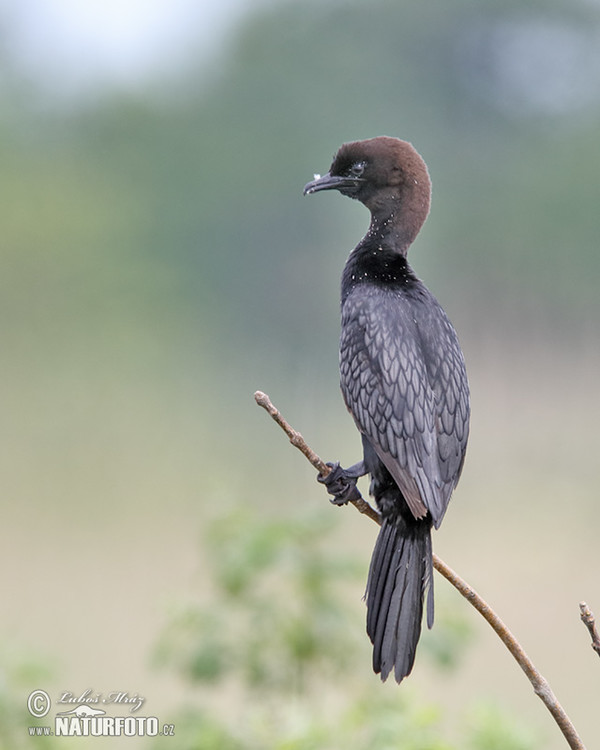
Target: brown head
[[389, 177]]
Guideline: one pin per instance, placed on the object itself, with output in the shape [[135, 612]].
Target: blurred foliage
[[489, 730], [18, 671], [447, 644], [277, 632], [277, 607]]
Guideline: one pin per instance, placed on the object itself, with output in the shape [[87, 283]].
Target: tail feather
[[428, 582], [381, 560], [400, 573]]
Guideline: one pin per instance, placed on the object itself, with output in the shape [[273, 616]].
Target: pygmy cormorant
[[404, 382]]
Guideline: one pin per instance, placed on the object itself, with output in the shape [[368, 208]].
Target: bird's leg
[[341, 483]]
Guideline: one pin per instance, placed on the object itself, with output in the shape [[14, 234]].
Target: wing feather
[[403, 379]]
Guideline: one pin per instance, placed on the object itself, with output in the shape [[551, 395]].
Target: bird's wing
[[448, 379], [397, 393]]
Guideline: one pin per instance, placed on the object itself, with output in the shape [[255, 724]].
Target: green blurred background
[[158, 264]]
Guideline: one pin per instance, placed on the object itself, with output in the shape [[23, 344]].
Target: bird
[[403, 379]]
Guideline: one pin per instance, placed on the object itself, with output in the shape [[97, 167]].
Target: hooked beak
[[346, 185]]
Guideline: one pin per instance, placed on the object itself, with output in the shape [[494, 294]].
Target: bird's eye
[[357, 168]]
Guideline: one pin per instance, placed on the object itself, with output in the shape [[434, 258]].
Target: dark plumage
[[403, 380]]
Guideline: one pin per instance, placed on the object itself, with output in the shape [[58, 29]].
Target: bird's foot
[[341, 483]]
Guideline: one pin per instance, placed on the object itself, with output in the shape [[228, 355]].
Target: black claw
[[340, 483], [327, 479]]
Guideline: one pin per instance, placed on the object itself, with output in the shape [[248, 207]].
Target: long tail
[[401, 571]]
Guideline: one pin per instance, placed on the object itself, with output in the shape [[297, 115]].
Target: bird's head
[[387, 175]]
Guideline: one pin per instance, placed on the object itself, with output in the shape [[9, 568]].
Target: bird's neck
[[380, 257], [388, 232], [374, 262], [397, 215]]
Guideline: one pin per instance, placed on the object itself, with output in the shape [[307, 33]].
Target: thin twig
[[298, 441], [540, 685], [589, 621]]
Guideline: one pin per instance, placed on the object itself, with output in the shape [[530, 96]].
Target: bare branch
[[296, 439], [539, 683], [588, 619]]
